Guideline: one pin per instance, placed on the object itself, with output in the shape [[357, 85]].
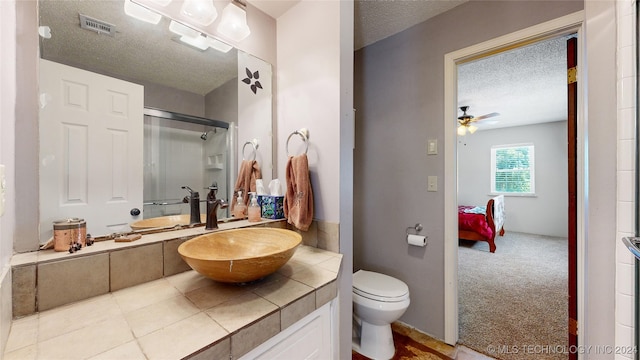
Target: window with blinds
[[512, 169]]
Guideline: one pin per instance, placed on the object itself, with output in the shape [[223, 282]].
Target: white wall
[[544, 214], [598, 315], [7, 143], [308, 79], [624, 327], [315, 91]]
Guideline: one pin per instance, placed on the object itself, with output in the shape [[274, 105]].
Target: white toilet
[[378, 300]]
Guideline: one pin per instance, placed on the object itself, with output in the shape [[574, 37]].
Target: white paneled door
[[90, 149]]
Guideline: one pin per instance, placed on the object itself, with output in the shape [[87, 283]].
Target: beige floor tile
[[221, 350], [326, 293], [314, 277], [58, 282], [297, 310], [128, 351], [68, 318], [88, 341], [133, 266], [26, 353], [311, 255], [188, 281], [24, 332], [143, 295], [333, 264], [173, 263], [248, 338], [214, 294], [242, 310], [24, 290], [292, 267], [182, 338], [283, 291], [156, 316]]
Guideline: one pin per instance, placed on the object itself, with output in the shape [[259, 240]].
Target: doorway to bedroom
[[512, 140]]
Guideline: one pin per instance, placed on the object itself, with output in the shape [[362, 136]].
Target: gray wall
[[399, 97], [544, 214]]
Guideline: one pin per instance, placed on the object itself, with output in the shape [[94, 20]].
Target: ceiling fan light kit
[[465, 121]]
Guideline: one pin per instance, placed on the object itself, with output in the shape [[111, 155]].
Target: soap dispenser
[[240, 209], [254, 208]]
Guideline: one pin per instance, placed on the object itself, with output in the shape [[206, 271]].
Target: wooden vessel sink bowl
[[240, 255], [164, 221]]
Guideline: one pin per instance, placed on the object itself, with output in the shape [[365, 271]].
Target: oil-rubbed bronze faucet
[[212, 207], [194, 201]]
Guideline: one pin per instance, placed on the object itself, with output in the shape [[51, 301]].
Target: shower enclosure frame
[[173, 116]]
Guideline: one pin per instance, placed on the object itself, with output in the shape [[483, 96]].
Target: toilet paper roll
[[416, 240]]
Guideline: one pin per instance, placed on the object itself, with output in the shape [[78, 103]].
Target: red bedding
[[473, 222]]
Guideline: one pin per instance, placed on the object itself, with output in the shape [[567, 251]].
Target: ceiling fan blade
[[485, 116]]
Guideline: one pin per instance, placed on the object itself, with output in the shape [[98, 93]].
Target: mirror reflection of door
[[90, 149], [177, 78]]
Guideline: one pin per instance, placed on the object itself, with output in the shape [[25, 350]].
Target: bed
[[482, 223]]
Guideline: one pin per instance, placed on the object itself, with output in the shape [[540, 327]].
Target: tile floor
[[412, 344]]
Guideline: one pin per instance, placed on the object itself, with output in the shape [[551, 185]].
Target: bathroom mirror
[[176, 77]]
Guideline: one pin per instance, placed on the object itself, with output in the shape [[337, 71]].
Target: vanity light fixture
[[181, 29], [199, 41], [194, 38], [141, 13], [233, 23], [202, 12], [161, 2], [219, 45]]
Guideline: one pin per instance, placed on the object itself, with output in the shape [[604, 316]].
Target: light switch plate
[[432, 147], [432, 183], [3, 186]]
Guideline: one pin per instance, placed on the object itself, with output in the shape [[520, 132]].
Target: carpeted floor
[[513, 303]]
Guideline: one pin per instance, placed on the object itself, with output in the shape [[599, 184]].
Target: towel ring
[[304, 134], [254, 144]]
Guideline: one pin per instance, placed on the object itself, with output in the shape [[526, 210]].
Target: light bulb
[[461, 130], [234, 22], [201, 11], [472, 129]]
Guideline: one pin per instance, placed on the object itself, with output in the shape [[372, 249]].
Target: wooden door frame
[[572, 23]]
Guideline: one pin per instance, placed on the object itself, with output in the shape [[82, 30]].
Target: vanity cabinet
[[313, 337]]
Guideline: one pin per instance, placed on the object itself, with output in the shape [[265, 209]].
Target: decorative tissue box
[[272, 206]]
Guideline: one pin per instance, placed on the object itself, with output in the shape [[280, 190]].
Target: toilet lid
[[379, 286]]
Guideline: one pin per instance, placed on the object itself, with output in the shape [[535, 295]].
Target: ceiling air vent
[[99, 26]]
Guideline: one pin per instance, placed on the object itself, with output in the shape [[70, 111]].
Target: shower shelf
[[219, 166]]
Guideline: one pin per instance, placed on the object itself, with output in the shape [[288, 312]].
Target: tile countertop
[[106, 246], [180, 315]]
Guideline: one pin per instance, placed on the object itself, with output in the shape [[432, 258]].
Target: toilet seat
[[379, 287]]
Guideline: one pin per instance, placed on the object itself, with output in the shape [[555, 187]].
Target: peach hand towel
[[298, 201], [246, 181]]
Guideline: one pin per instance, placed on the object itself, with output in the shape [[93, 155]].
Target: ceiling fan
[[465, 121]]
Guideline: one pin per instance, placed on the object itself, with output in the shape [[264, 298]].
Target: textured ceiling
[[138, 52], [514, 83], [526, 85], [379, 19]]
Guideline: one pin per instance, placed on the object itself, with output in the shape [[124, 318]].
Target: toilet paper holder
[[417, 228]]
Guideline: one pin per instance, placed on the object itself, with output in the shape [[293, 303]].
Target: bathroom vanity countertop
[[184, 315], [48, 255]]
